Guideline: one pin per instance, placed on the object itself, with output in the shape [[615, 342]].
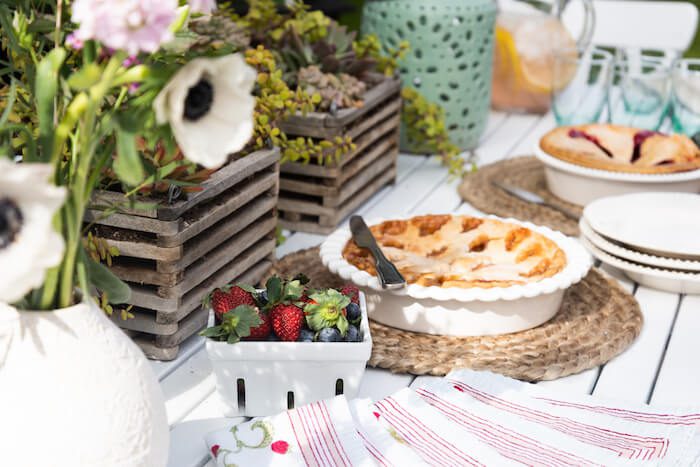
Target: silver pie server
[[534, 198], [389, 275]]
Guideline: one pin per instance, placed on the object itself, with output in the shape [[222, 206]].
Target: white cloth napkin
[[386, 449], [319, 434], [435, 438], [610, 432]]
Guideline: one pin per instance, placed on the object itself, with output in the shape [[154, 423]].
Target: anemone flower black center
[[199, 100], [10, 222]]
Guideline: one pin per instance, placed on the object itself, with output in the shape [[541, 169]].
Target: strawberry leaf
[[328, 311], [293, 290], [301, 277], [274, 289], [248, 288]]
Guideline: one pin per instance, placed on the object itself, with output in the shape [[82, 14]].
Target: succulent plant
[[336, 91], [218, 30]]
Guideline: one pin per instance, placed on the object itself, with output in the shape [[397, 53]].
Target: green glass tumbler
[[450, 57]]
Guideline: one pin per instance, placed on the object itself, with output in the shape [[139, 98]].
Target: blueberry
[[329, 335], [262, 298], [272, 337], [306, 335], [353, 334], [353, 312]]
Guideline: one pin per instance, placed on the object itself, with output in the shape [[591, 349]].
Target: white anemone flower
[[209, 106], [29, 245]]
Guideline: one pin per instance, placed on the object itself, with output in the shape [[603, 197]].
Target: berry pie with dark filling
[[461, 251], [622, 149]]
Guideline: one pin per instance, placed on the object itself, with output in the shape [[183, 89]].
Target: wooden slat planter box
[[316, 198], [174, 254]]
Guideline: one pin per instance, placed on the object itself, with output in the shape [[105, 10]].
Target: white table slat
[[631, 375], [187, 386], [678, 382], [505, 138], [580, 383], [526, 145], [187, 448], [378, 384], [187, 349]]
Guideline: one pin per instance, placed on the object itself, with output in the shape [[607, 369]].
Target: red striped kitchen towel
[[610, 432], [321, 434]]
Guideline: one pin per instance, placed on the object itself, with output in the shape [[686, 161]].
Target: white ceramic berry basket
[[258, 378], [582, 185], [463, 311]]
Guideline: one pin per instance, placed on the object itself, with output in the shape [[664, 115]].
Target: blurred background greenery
[[349, 12]]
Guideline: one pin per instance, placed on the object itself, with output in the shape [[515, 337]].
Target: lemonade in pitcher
[[526, 37]]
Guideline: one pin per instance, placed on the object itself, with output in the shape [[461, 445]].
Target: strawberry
[[287, 321], [352, 292], [260, 332], [223, 300]]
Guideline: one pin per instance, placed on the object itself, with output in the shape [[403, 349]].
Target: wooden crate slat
[[221, 232], [381, 156], [267, 183], [195, 322], [355, 184], [376, 152], [221, 180], [335, 171], [144, 322], [147, 297], [167, 348], [177, 257], [325, 125], [391, 109], [314, 226], [143, 275], [219, 257], [171, 231], [252, 275]]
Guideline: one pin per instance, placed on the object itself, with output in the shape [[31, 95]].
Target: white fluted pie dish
[[464, 311], [582, 185]]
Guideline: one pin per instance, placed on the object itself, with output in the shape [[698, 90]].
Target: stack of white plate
[[654, 238]]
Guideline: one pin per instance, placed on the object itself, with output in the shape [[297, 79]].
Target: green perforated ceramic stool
[[450, 58]]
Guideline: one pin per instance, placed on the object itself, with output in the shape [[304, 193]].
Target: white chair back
[[663, 26]]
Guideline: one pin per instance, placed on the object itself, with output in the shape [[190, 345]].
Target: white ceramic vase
[[76, 391]]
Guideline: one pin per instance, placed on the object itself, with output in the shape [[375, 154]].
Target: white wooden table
[[661, 367]]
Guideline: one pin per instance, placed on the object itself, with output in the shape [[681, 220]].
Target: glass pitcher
[[526, 36]]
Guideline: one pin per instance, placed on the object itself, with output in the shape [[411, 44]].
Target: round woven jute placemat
[[597, 321], [523, 172]]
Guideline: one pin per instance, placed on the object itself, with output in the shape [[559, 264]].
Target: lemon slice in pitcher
[[536, 42]]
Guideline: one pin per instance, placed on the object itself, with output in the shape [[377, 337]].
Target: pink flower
[[280, 447], [131, 60], [215, 450], [202, 6], [73, 42], [130, 25]]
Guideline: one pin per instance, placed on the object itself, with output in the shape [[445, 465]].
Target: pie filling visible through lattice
[[622, 149], [461, 251]]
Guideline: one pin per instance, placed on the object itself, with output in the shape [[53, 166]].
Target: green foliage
[[275, 101], [425, 124], [327, 311], [235, 325], [387, 58]]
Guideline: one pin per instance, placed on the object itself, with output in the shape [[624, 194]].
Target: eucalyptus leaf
[[45, 89], [128, 165], [85, 77], [103, 279]]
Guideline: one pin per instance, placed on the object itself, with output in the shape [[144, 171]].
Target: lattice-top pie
[[461, 251], [622, 149]]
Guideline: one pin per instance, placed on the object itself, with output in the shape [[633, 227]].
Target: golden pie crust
[[622, 149], [461, 251]]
